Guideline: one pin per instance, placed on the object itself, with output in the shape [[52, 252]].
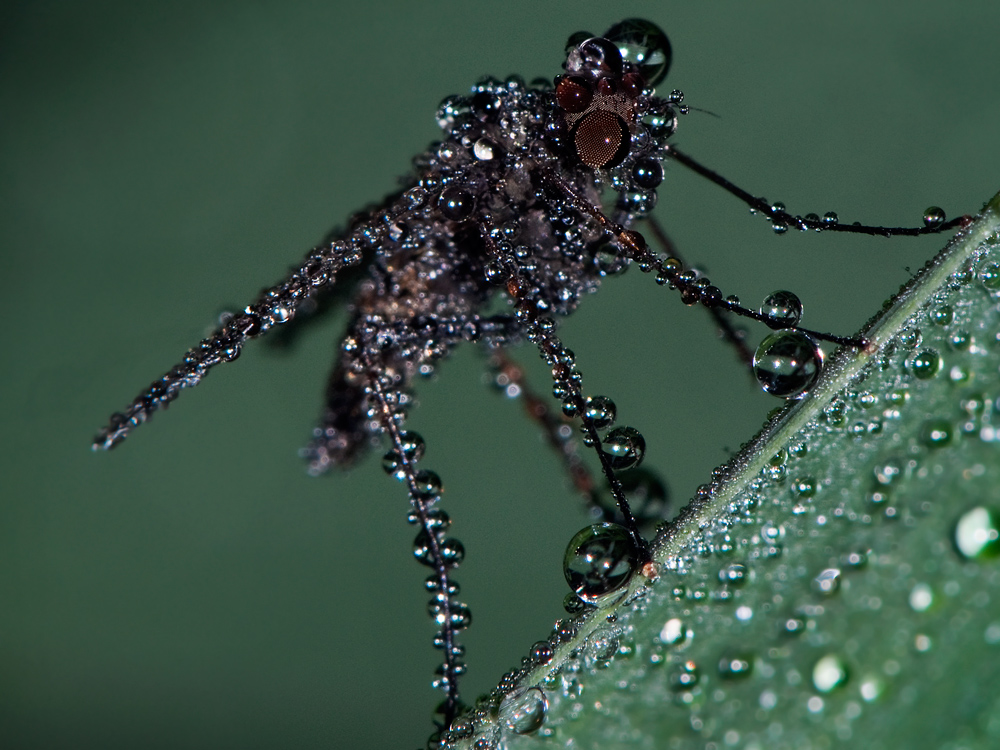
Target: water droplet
[[960, 340], [456, 204], [601, 411], [934, 217], [804, 487], [600, 560], [673, 632], [647, 172], [684, 678], [735, 666], [783, 307], [523, 710], [428, 484], [827, 582], [921, 597], [977, 533], [644, 45], [624, 447], [602, 645], [830, 218], [541, 653], [889, 471], [925, 364], [871, 688], [829, 673], [935, 433], [787, 363], [734, 575], [484, 149], [943, 315], [990, 276]]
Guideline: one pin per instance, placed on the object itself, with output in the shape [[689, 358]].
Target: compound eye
[[574, 94], [602, 139]]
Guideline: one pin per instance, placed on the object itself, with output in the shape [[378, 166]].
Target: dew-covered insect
[[529, 199]]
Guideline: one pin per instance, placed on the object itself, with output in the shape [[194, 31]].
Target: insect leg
[[781, 220], [431, 546], [274, 306]]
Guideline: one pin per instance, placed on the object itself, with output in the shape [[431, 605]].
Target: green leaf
[[839, 583]]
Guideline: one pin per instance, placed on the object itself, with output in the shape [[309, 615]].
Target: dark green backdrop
[[195, 588]]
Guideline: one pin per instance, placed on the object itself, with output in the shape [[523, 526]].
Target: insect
[[527, 204]]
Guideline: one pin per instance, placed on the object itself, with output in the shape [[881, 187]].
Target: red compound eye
[[602, 139], [574, 94]]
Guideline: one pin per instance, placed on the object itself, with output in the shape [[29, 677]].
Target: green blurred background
[[161, 163]]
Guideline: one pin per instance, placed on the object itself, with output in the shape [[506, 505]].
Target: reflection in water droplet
[[787, 363], [829, 673], [599, 560], [523, 710], [977, 533]]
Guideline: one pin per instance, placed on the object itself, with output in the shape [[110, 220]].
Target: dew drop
[[827, 582], [990, 276], [921, 597], [601, 411], [977, 533], [428, 484], [829, 673], [523, 710], [943, 315], [624, 447], [783, 307], [734, 575], [735, 666], [602, 645], [925, 364], [936, 433], [673, 632], [644, 45], [934, 217], [684, 678], [804, 487], [787, 363], [600, 560]]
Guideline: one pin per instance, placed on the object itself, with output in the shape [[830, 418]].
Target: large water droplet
[[523, 710], [977, 533], [643, 44], [784, 308], [624, 447], [600, 560], [787, 363]]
